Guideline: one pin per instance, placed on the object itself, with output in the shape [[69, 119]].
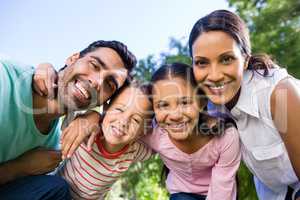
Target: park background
[[157, 32]]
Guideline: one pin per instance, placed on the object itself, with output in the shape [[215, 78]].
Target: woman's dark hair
[[232, 24]]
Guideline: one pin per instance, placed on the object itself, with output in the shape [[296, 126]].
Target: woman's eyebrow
[[226, 53]]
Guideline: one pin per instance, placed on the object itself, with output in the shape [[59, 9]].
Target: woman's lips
[[217, 89]]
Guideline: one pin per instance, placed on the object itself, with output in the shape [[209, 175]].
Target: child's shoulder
[[229, 137]]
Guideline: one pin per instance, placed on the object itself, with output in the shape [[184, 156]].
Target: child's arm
[[44, 80], [143, 152], [223, 179], [82, 127]]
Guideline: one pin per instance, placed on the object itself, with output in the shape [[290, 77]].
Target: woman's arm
[[285, 110], [223, 179]]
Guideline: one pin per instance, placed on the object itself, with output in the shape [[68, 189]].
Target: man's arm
[[33, 162], [11, 170]]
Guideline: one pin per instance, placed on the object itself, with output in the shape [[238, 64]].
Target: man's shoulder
[[15, 68]]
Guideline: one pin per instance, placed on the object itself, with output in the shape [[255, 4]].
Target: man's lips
[[81, 93], [81, 87]]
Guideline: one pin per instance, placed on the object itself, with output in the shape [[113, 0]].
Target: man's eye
[[110, 85], [118, 110], [95, 66]]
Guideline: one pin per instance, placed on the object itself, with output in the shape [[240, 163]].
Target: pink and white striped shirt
[[91, 174]]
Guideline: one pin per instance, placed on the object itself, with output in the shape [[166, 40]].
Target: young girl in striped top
[[92, 173]]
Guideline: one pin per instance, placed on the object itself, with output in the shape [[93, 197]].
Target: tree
[[274, 29]]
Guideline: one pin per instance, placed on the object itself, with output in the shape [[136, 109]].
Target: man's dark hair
[[127, 57]]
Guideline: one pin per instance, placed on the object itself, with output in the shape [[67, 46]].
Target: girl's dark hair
[[144, 88], [233, 25], [175, 70]]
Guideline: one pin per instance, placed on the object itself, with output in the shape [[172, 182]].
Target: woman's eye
[[200, 63], [227, 60]]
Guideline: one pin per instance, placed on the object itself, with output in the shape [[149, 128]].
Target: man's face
[[90, 80]]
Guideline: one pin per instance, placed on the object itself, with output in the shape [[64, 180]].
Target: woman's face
[[176, 107], [218, 65]]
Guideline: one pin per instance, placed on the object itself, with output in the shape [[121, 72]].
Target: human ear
[[73, 58], [246, 61]]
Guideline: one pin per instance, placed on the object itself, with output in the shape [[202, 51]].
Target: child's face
[[125, 119], [176, 107]]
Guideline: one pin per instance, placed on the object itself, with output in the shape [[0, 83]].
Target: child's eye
[[136, 120], [226, 60], [185, 102], [162, 105]]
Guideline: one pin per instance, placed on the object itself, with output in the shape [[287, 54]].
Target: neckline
[[188, 154], [107, 154]]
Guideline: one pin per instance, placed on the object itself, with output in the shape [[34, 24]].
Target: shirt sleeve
[[152, 138], [143, 152], [223, 179]]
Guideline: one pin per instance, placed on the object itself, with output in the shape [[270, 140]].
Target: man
[[29, 125]]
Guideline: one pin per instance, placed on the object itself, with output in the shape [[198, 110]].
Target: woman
[[262, 98]]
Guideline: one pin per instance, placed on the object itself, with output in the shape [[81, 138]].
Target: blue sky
[[34, 31]]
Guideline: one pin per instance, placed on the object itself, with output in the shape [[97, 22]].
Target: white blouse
[[263, 150]]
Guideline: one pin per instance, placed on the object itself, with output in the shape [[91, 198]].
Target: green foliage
[[274, 29], [144, 69], [246, 189]]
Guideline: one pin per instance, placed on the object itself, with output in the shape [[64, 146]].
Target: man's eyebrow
[[100, 62]]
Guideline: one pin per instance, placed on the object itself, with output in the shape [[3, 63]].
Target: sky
[[34, 31]]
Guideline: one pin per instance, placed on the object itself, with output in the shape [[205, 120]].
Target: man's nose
[[96, 80]]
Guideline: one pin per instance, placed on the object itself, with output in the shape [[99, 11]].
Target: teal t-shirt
[[18, 132]]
